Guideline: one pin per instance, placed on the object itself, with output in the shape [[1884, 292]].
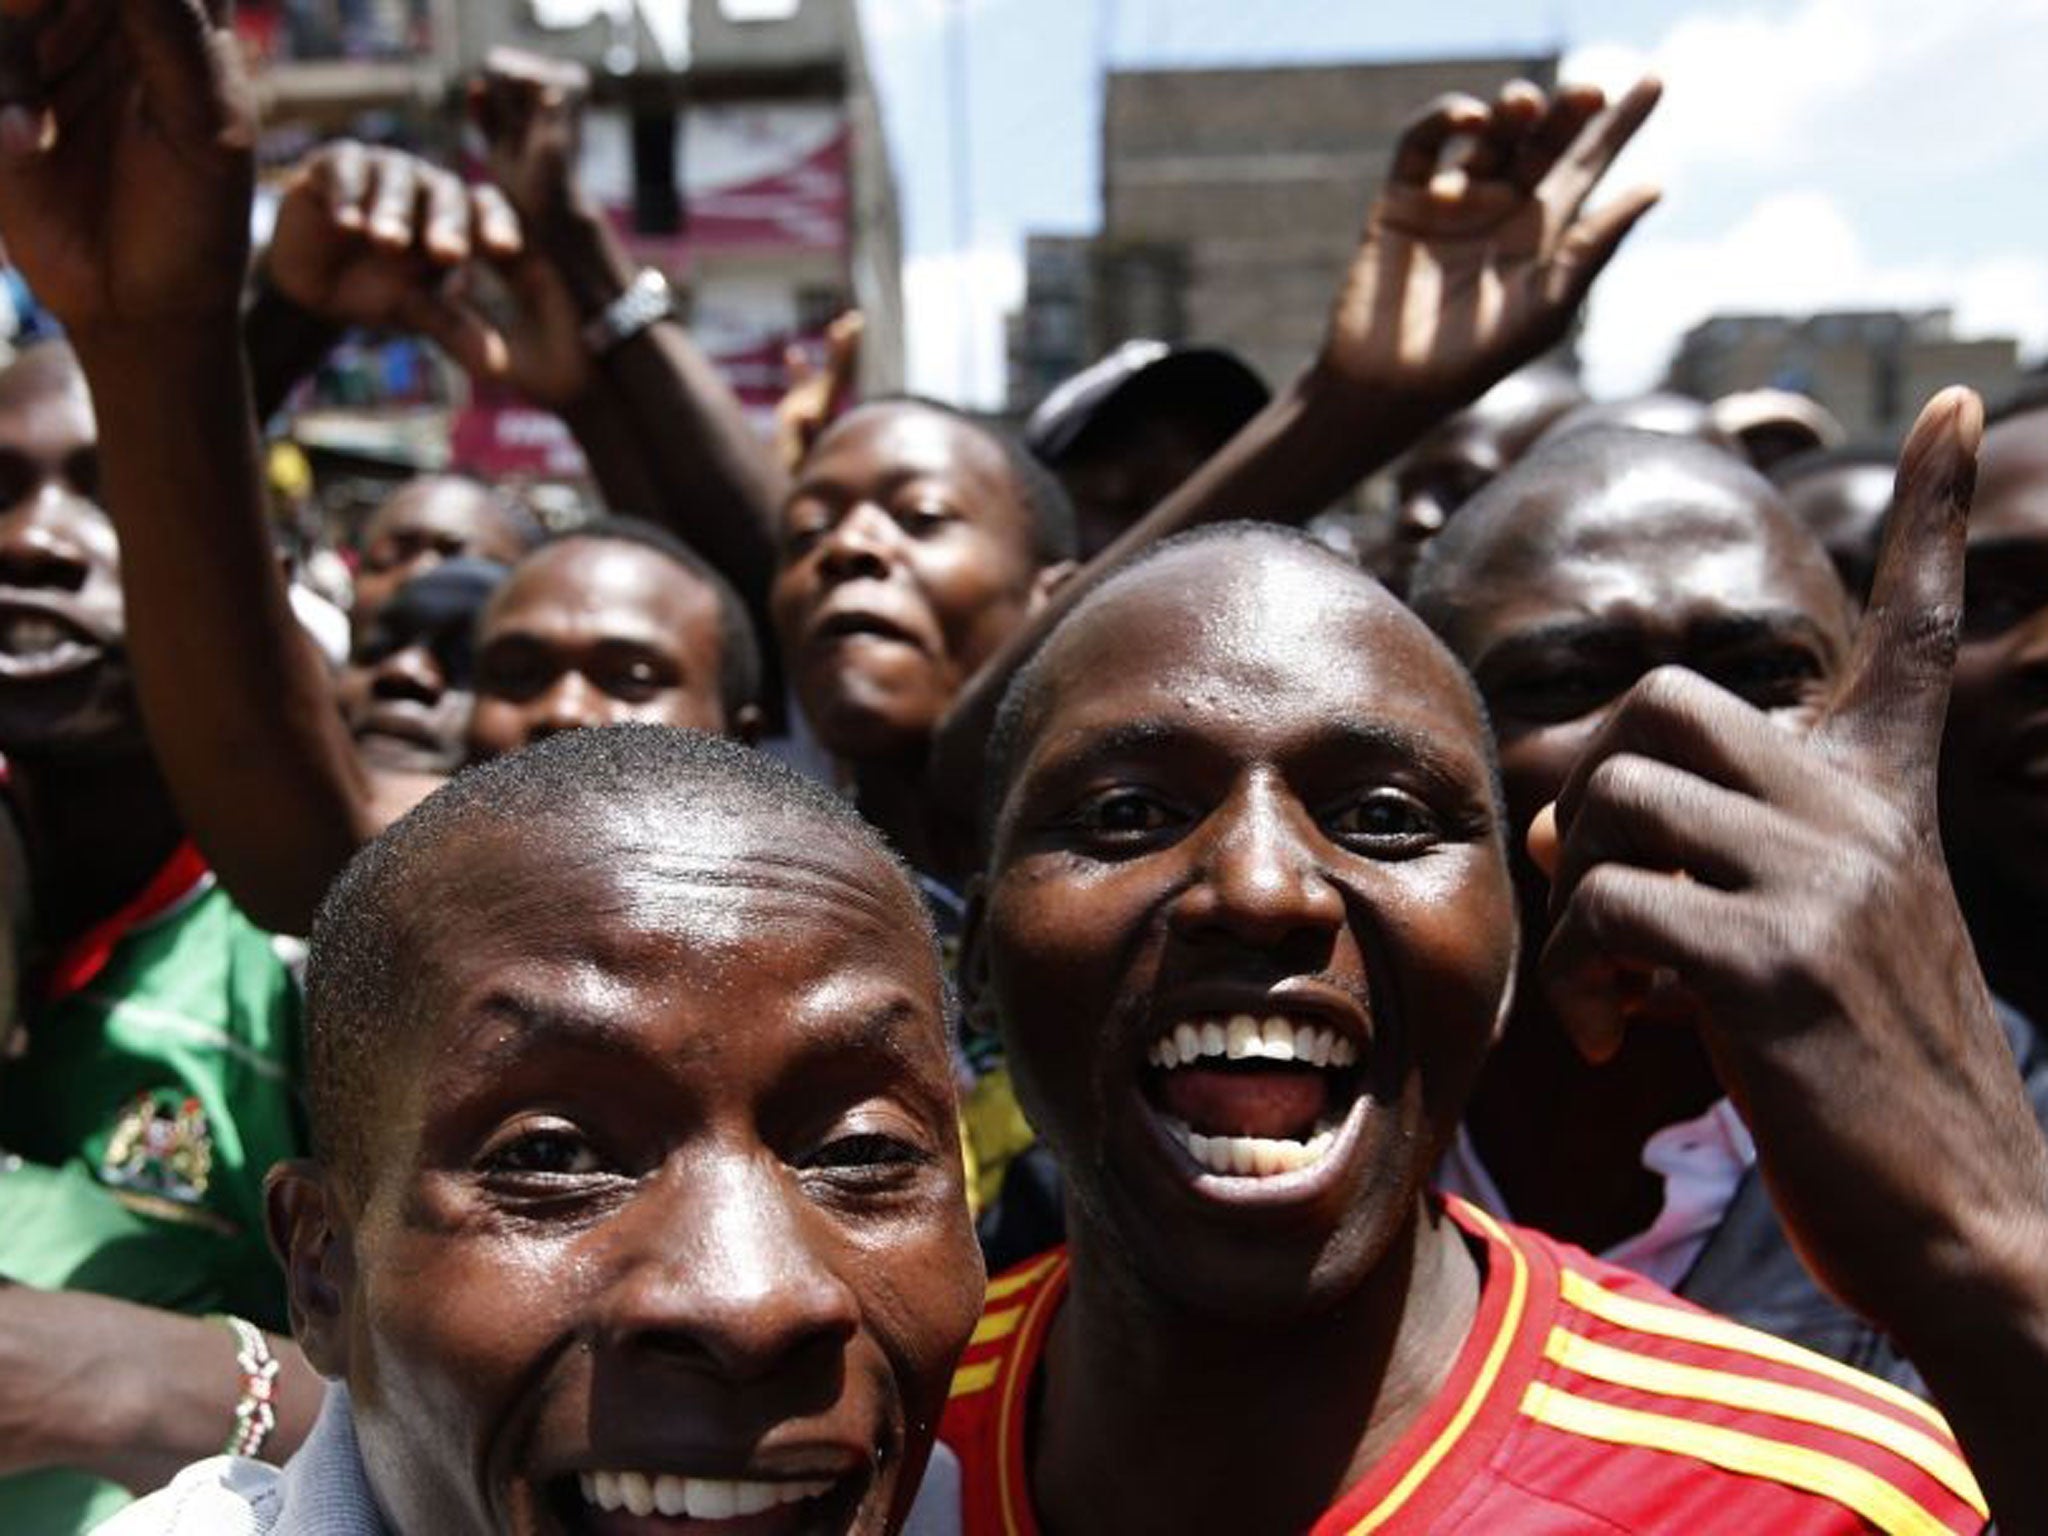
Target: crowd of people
[[1515, 1009]]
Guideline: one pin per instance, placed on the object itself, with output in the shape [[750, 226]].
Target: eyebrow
[[829, 488], [529, 1024], [1716, 630], [1363, 738]]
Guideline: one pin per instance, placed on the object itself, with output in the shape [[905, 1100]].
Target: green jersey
[[159, 1086]]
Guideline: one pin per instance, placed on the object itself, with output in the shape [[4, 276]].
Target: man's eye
[[1560, 695], [1386, 819], [802, 529], [556, 1152], [512, 674], [925, 516], [634, 679], [1124, 815], [1768, 679], [867, 1150]]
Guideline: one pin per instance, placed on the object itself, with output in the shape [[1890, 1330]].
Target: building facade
[[1873, 368], [1232, 200], [737, 144]]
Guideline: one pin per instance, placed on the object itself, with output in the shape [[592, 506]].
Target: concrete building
[[1231, 201], [1873, 368], [736, 143]]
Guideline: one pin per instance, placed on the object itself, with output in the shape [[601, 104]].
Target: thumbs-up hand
[[127, 134], [1791, 888]]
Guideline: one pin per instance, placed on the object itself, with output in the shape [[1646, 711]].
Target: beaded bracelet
[[256, 1413]]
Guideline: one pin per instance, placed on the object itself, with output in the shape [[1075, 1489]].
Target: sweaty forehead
[[896, 441], [1648, 532], [612, 584], [1251, 632], [631, 886]]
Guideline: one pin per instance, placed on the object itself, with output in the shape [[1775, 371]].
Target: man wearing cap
[[1125, 433]]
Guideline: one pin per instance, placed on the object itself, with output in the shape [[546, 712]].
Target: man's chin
[[862, 726], [35, 726]]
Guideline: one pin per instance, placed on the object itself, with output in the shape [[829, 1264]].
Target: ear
[[310, 1235], [747, 725], [1050, 579], [977, 994]]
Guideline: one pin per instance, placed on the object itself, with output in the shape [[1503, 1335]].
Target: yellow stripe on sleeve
[[1671, 1378], [1011, 1284], [1884, 1506], [1719, 1333], [978, 1377], [996, 1325]]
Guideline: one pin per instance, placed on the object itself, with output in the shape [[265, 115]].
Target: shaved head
[[1590, 499]]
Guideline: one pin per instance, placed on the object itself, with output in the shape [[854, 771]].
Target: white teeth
[[28, 634], [1243, 1038], [670, 1497], [710, 1498], [636, 1492], [700, 1498], [1260, 1157]]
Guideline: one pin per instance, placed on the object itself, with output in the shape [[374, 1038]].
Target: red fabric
[[87, 955], [1497, 1463]]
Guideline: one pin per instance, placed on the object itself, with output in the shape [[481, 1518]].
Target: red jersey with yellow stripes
[[1584, 1399]]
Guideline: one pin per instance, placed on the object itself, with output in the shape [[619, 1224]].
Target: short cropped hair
[[1007, 739], [739, 643], [1055, 529], [364, 962]]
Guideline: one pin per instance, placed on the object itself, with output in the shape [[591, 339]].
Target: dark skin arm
[[698, 465], [1475, 258], [1792, 890], [129, 1393], [148, 130]]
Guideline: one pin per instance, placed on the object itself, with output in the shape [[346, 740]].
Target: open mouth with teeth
[[38, 644], [1253, 1098], [654, 1502]]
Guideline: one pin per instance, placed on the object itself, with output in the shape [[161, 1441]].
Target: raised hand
[[529, 110], [127, 134], [1479, 250], [817, 391], [1791, 889], [379, 238]]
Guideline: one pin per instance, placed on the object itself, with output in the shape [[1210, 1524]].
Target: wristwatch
[[647, 299]]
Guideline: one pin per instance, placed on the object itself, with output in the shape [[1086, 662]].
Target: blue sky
[[1814, 153]]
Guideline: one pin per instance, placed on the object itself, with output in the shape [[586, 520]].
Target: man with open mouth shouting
[[636, 1199], [1249, 930]]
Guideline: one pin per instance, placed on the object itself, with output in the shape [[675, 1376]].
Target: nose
[[35, 549], [1262, 880], [571, 703], [859, 544], [716, 1272], [409, 673]]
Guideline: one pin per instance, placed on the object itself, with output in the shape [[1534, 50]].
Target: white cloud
[[953, 308], [1886, 105], [1794, 252]]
